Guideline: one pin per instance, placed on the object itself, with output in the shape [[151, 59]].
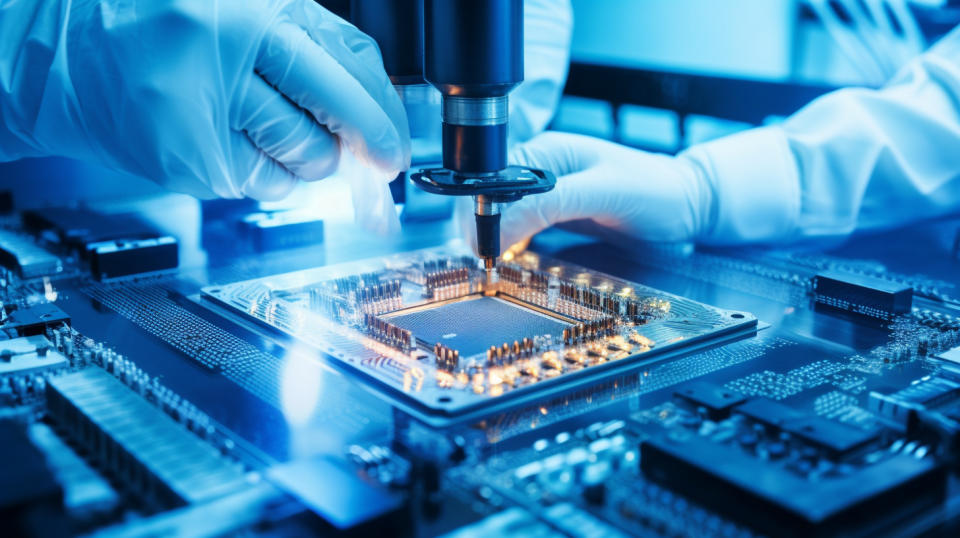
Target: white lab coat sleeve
[[547, 30], [855, 159]]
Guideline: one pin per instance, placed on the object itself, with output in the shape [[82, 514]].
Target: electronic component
[[278, 230], [34, 319], [715, 399], [110, 259], [429, 325], [30, 498], [926, 392], [19, 254], [861, 294], [775, 500], [473, 323], [29, 354], [835, 439], [76, 228], [928, 410], [769, 412], [137, 443], [114, 245], [87, 496]]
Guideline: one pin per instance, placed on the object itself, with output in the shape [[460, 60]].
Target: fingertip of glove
[[321, 166], [272, 193], [272, 184], [391, 163]]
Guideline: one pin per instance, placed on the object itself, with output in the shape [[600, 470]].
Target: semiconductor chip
[[717, 400], [472, 325], [862, 294]]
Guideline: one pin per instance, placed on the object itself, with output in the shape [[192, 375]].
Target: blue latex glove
[[207, 97]]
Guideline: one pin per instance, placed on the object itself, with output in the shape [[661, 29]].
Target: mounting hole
[[215, 290], [737, 316], [444, 399]]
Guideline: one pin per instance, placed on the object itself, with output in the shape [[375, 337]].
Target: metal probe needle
[[489, 266], [488, 235]]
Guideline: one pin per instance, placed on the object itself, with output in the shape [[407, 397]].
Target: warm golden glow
[[444, 379], [418, 376]]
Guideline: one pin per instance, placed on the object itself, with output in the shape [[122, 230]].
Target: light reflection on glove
[[643, 195], [205, 97]]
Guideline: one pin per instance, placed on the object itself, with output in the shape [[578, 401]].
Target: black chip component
[[717, 400], [776, 501], [114, 245], [111, 259], [471, 326], [77, 228], [924, 393], [35, 319], [834, 438], [281, 230], [861, 294], [769, 412]]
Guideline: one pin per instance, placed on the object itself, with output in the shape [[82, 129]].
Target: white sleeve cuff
[[755, 185]]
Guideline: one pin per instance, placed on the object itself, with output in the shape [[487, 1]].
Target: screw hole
[[444, 399], [736, 316]]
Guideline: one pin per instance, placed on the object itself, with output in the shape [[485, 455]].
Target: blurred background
[[746, 62], [655, 74]]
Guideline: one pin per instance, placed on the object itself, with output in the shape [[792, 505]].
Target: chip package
[[435, 335]]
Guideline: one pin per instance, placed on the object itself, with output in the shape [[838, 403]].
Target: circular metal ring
[[475, 110]]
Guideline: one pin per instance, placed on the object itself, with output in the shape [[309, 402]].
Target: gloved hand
[[644, 195], [205, 97]]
